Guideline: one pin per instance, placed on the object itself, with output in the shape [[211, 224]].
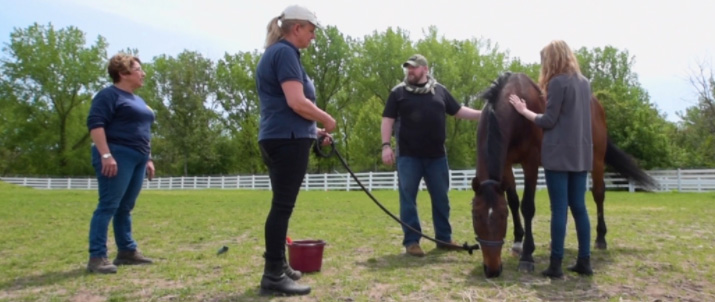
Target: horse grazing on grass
[[505, 138]]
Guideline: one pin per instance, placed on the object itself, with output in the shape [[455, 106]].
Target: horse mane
[[491, 94], [495, 147]]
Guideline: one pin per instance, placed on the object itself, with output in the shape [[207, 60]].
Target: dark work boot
[[275, 281], [554, 271], [101, 265], [582, 266], [131, 258], [290, 272]]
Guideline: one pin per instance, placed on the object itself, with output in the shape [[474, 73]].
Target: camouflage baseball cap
[[415, 60]]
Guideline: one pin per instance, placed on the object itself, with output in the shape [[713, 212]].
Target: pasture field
[[660, 249]]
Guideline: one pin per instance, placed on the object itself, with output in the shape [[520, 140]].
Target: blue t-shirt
[[125, 117], [280, 63]]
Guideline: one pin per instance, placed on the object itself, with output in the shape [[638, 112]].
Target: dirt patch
[[84, 296]]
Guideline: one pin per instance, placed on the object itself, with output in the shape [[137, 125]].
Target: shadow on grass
[[402, 260], [43, 279], [252, 295], [571, 288]]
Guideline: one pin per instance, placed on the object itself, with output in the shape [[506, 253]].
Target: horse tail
[[627, 167]]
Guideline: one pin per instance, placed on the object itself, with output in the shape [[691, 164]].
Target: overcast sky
[[669, 40]]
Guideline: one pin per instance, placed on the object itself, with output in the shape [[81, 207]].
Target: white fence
[[669, 180]]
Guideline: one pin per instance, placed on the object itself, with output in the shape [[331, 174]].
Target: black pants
[[287, 162]]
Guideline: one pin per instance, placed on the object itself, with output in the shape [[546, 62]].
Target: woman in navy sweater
[[287, 130], [119, 123]]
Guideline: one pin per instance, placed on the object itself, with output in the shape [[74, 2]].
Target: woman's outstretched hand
[[518, 103]]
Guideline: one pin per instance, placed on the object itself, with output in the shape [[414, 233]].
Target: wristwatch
[[106, 155]]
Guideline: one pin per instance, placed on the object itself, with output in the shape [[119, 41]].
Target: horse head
[[489, 207], [489, 219]]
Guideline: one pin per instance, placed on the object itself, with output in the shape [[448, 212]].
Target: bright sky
[[669, 40]]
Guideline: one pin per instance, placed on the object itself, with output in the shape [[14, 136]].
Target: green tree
[[182, 92], [365, 139], [634, 123], [696, 133], [49, 77], [327, 62], [236, 94]]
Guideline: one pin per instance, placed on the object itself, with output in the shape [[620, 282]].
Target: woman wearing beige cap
[[286, 132]]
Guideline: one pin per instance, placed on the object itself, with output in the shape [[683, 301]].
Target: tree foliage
[[695, 135], [183, 94], [634, 123], [208, 112], [48, 79]]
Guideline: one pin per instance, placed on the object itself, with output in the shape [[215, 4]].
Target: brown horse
[[505, 138]]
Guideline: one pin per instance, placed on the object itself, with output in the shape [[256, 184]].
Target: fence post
[[49, 183], [680, 188], [369, 181], [631, 186], [347, 178], [699, 184], [394, 180]]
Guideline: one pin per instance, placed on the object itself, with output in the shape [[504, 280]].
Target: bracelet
[[386, 145]]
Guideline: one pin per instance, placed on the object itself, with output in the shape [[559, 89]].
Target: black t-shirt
[[420, 122]]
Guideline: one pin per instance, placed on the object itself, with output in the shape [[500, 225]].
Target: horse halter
[[489, 182], [490, 243]]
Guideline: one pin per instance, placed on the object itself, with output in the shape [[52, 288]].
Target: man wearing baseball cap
[[416, 110], [415, 61]]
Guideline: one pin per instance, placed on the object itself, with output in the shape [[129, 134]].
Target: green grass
[[660, 248]]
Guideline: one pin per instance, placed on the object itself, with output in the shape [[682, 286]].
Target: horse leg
[[513, 199], [528, 209], [599, 195]]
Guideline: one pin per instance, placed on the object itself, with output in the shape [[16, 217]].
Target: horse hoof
[[601, 245], [526, 267]]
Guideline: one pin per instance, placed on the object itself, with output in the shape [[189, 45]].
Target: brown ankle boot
[[101, 266], [131, 258]]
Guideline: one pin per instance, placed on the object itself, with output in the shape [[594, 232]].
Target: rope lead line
[[333, 151]]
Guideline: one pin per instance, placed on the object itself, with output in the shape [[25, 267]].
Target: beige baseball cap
[[415, 60], [297, 12]]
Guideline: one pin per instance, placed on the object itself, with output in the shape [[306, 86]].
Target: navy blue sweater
[[125, 117]]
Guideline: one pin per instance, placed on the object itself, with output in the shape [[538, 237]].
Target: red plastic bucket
[[306, 255]]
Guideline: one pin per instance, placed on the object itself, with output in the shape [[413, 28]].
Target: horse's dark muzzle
[[492, 274]]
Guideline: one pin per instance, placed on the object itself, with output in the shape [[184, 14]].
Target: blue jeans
[[568, 190], [117, 196], [410, 171]]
